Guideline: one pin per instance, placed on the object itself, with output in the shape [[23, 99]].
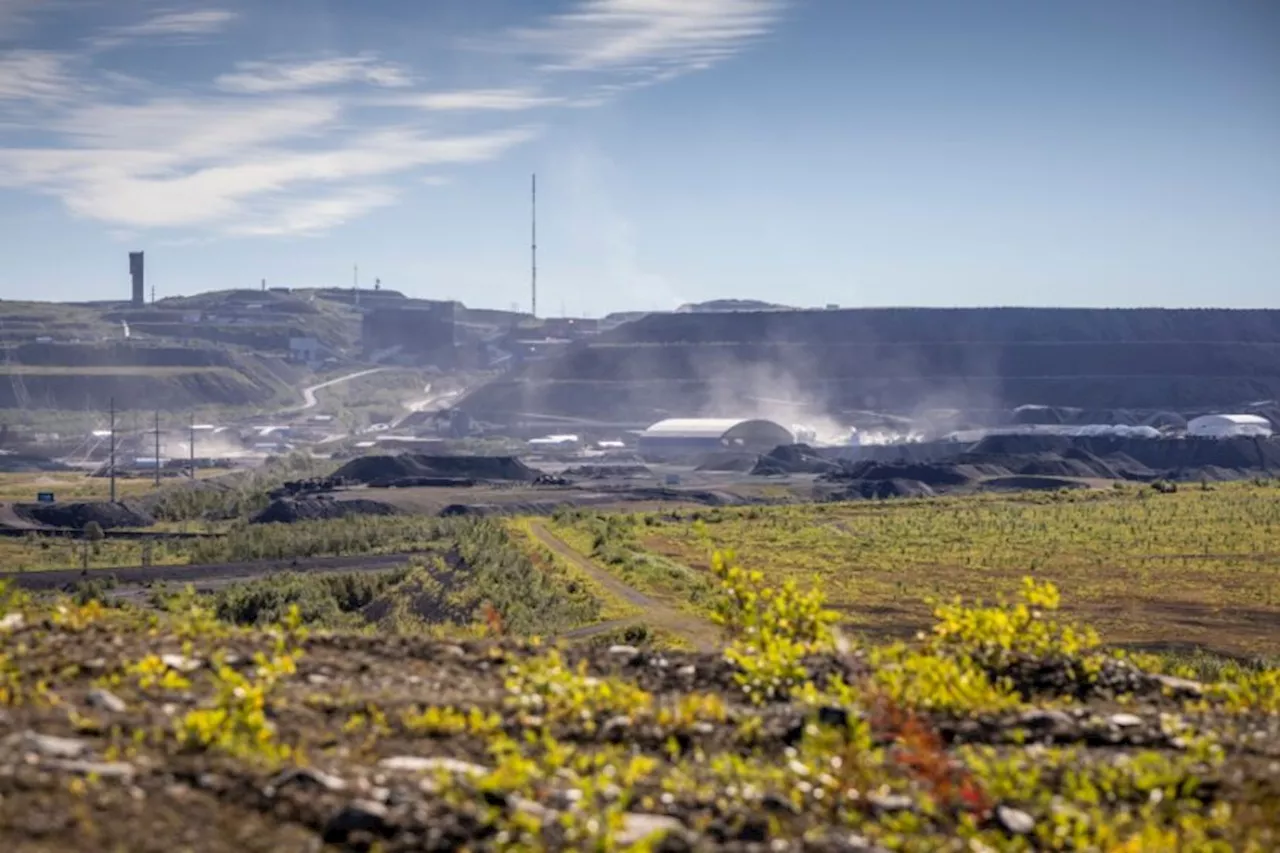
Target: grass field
[[1199, 567], [75, 486]]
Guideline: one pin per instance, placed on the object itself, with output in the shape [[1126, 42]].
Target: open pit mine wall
[[168, 378], [903, 360]]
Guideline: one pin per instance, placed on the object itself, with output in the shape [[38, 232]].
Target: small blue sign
[[45, 497]]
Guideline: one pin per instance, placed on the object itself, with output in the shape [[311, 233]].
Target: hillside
[[902, 361], [226, 348], [87, 376]]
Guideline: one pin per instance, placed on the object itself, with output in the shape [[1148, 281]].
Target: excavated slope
[[901, 360]]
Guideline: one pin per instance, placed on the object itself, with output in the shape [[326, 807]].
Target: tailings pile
[[607, 472], [77, 516], [794, 459], [318, 508], [384, 471]]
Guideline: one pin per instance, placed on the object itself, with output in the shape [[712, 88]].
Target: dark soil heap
[[77, 516], [793, 459], [385, 470], [291, 510]]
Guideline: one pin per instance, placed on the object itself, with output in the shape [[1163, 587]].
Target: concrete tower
[[139, 288]]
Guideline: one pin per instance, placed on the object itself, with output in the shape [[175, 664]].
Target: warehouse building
[[1229, 426], [684, 437]]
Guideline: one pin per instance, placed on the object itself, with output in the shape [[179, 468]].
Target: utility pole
[[355, 281], [533, 302], [157, 448], [191, 445], [111, 462]]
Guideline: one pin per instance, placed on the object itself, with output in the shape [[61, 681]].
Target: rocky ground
[[125, 730]]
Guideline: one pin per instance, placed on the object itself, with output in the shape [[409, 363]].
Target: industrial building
[[1229, 426], [680, 437]]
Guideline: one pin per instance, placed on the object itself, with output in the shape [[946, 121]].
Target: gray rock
[[534, 808], [624, 651], [1015, 821], [181, 663], [885, 803], [304, 777], [106, 700], [421, 764], [356, 816], [49, 746], [637, 827], [615, 728], [1124, 721], [1039, 718], [12, 621], [1180, 686], [100, 769]]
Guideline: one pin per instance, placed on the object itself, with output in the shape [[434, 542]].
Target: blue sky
[[860, 152]]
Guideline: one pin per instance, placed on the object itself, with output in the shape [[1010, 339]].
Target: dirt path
[[309, 400], [702, 634]]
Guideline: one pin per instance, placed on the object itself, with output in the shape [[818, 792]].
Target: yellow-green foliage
[[1244, 689], [992, 633], [237, 722], [436, 721], [546, 686], [151, 673], [773, 630], [934, 682]]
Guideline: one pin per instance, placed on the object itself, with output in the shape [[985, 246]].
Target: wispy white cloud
[[183, 25], [496, 100], [235, 171], [257, 78], [648, 36], [300, 144], [35, 76]]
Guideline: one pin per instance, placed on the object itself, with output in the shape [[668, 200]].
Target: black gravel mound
[[386, 469], [605, 472], [292, 510], [1104, 457], [884, 490], [728, 461], [424, 482], [940, 474], [76, 516], [1027, 483], [793, 459]]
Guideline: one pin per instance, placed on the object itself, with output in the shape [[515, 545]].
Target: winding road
[[702, 634], [309, 393]]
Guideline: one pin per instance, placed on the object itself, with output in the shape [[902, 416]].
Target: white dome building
[[1229, 426]]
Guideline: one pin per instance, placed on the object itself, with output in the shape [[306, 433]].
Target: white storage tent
[[1229, 426]]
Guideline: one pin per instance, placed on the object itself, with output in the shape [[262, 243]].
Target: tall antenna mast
[[111, 461], [534, 249]]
